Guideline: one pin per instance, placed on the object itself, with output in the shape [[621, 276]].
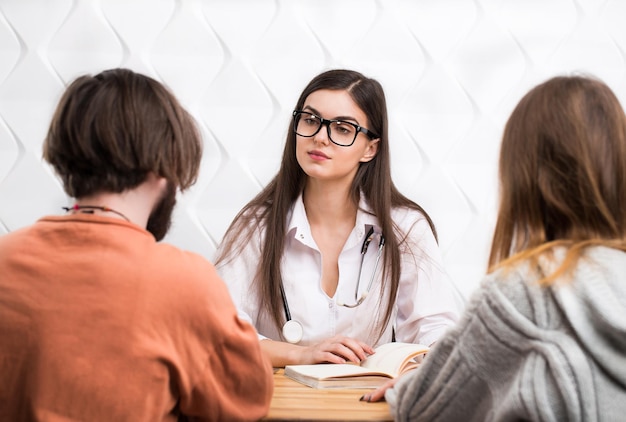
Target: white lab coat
[[426, 305]]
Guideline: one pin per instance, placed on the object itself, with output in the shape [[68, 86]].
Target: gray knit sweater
[[526, 352]]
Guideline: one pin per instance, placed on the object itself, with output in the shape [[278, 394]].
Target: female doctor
[[330, 259]]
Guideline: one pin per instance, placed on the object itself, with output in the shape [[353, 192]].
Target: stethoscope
[[292, 329]]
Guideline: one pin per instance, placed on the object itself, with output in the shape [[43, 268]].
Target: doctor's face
[[318, 154]]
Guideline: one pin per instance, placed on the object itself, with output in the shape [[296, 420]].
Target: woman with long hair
[[544, 338], [330, 259]]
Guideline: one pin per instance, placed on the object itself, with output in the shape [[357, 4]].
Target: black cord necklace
[[89, 209]]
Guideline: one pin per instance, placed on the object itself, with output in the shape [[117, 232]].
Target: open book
[[389, 361]]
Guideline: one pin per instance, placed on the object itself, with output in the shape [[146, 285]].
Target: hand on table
[[379, 393]]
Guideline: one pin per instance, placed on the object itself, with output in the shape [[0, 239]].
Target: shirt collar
[[298, 223]]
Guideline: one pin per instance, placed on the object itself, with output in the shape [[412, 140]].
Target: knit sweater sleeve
[[445, 380], [510, 357]]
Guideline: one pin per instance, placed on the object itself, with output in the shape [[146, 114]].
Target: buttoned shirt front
[[424, 308]]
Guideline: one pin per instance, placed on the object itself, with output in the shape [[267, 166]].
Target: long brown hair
[[110, 130], [268, 211], [562, 173]]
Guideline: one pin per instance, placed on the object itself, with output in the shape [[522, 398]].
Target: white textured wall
[[452, 70]]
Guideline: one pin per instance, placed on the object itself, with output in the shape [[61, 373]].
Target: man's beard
[[160, 218]]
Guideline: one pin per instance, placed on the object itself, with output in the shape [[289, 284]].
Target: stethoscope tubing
[[285, 305], [292, 326]]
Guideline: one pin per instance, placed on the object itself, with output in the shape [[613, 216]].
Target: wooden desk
[[295, 401]]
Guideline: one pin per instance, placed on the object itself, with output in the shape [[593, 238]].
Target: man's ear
[[371, 151]]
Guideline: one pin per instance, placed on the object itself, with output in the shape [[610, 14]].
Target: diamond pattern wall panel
[[452, 70]]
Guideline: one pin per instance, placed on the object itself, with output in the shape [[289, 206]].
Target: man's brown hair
[[112, 129]]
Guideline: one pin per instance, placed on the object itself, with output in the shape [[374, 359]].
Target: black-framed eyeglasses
[[340, 132]]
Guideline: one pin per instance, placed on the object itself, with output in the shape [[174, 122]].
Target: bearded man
[[98, 320]]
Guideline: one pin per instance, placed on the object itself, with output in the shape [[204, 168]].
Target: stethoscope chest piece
[[292, 331]]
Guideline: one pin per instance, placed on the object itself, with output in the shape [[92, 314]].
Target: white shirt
[[425, 306]]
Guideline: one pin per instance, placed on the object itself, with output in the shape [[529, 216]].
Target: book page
[[394, 358], [335, 376], [331, 370], [389, 361]]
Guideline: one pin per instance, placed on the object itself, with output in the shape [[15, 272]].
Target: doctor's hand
[[338, 349]]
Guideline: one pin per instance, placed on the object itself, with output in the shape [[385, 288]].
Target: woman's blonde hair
[[562, 173]]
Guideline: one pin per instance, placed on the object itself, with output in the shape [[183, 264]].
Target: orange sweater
[[98, 322]]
